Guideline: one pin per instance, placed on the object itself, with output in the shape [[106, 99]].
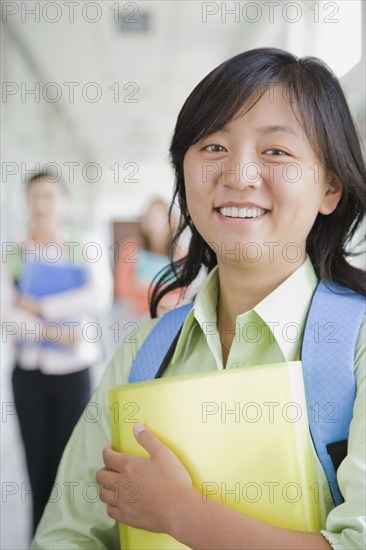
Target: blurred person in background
[[53, 284], [142, 257]]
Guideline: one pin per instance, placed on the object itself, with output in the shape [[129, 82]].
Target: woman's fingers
[[106, 478], [114, 513], [148, 440], [116, 462], [109, 496]]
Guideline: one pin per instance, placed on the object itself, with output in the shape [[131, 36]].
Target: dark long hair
[[324, 114]]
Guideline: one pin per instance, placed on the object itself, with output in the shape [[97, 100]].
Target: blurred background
[[92, 90]]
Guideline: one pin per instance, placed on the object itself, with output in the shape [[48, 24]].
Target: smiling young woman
[[266, 157]]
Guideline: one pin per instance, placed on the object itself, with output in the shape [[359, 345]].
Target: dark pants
[[48, 408]]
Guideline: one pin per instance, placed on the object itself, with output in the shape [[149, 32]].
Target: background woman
[[141, 258], [51, 291]]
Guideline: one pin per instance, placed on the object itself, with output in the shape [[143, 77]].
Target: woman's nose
[[240, 173]]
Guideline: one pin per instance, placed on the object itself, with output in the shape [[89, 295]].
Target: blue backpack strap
[[328, 349], [157, 344]]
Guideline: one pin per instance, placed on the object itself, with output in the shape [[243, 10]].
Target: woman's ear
[[332, 196]]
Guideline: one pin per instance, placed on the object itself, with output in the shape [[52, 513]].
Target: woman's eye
[[275, 152], [214, 148]]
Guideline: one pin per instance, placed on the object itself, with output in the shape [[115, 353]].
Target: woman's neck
[[158, 246], [242, 288], [44, 235]]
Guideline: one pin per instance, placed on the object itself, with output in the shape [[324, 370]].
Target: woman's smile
[[240, 213]]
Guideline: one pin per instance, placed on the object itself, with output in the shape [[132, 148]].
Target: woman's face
[[257, 185], [47, 205], [155, 223]]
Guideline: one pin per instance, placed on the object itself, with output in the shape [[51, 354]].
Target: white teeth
[[233, 212]]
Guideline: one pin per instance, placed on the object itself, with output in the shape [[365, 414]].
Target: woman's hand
[[60, 333], [31, 305], [144, 492]]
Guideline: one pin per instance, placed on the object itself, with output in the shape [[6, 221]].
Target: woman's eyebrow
[[266, 130], [278, 128]]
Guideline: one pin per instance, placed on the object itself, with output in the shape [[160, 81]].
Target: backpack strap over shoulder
[[149, 360], [332, 329]]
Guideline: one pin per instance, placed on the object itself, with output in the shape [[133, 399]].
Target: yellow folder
[[242, 434]]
